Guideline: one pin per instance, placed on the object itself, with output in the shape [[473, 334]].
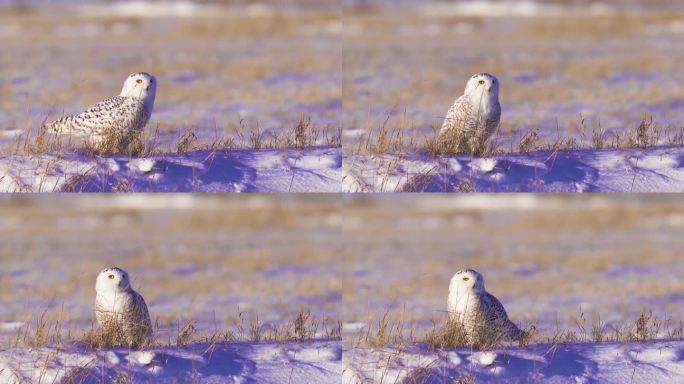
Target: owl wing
[[112, 113], [493, 119], [457, 116], [497, 315], [141, 314]]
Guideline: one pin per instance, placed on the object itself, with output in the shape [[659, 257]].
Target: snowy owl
[[121, 118], [474, 116], [118, 308], [480, 314]]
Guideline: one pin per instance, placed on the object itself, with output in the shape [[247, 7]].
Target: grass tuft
[[644, 328], [389, 138]]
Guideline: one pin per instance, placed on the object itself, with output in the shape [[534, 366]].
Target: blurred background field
[[567, 68], [194, 259], [226, 69], [551, 259]]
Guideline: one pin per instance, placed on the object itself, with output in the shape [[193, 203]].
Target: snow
[[11, 326], [651, 362], [308, 170], [626, 170], [491, 9], [316, 361]]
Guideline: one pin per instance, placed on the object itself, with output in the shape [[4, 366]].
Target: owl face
[[140, 85], [483, 84], [466, 281], [112, 280]]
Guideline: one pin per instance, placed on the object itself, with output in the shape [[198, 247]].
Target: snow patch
[[353, 327], [658, 169], [142, 165], [561, 363], [306, 170], [484, 165], [317, 361], [141, 358], [11, 326], [492, 9], [483, 358]]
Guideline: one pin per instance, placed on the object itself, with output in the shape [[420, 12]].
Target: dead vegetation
[[242, 135], [42, 332], [452, 335], [449, 335], [390, 138]]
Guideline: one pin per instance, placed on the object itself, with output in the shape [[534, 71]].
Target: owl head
[[466, 281], [112, 280], [140, 85], [483, 84]]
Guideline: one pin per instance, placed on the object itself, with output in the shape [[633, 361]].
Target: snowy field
[[240, 170], [269, 363], [617, 170], [232, 76], [242, 271], [653, 362], [580, 270], [581, 76]]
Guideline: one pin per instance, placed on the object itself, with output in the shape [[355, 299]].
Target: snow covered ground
[[652, 362], [242, 170], [308, 362], [624, 170]]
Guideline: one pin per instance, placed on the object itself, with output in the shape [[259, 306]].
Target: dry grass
[[112, 335], [302, 135], [452, 335], [396, 354], [390, 139], [52, 333], [449, 335], [46, 334]]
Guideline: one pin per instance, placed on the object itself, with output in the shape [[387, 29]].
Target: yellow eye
[[139, 81], [482, 82], [466, 279], [111, 276]]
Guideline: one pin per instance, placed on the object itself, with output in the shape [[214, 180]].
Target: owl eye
[[466, 278], [481, 82], [139, 81], [111, 276]]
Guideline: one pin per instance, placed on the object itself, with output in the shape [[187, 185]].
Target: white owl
[[118, 308], [480, 314], [122, 117], [473, 118]]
